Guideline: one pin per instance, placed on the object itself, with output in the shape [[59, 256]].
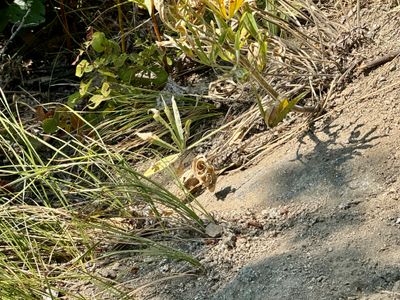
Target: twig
[[21, 24], [65, 25], [372, 64]]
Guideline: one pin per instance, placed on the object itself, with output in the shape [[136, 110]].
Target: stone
[[213, 230]]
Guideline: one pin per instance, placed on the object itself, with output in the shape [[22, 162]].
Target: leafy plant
[[231, 31], [111, 67], [29, 12], [179, 135]]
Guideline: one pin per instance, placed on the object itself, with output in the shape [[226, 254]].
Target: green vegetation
[[28, 12], [72, 190]]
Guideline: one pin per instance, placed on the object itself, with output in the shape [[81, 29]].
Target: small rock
[[214, 230], [398, 221], [116, 266], [392, 68], [344, 205], [381, 79], [396, 287]]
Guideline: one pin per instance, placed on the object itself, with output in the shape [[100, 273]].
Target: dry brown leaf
[[204, 172]]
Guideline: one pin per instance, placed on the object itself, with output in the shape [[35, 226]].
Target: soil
[[317, 218]]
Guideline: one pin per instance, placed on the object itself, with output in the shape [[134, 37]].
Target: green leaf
[[157, 117], [99, 41], [119, 60], [3, 19], [83, 67], [250, 24], [187, 129], [177, 125], [73, 99], [279, 112], [238, 38], [17, 10], [161, 164], [84, 87], [96, 100], [105, 89], [155, 140], [161, 76], [107, 73], [169, 61], [50, 125]]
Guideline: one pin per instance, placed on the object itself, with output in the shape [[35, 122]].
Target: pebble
[[214, 230], [229, 240], [381, 79], [396, 287]]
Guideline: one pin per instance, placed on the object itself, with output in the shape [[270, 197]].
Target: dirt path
[[317, 218]]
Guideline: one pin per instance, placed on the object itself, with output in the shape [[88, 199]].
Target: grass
[[67, 202]]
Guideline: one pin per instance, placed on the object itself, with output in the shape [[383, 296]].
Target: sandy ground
[[318, 218]]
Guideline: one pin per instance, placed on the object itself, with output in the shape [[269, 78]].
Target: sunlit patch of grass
[[66, 201]]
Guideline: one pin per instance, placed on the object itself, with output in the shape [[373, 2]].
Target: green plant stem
[[121, 26]]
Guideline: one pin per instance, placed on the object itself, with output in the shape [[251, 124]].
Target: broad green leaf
[[161, 76], [99, 41], [119, 60], [18, 9], [50, 125], [161, 164]]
